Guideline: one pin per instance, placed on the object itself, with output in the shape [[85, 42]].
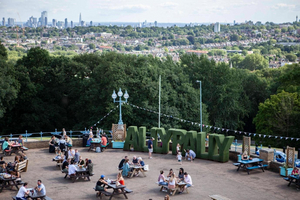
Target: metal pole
[[201, 106], [159, 89], [120, 120]]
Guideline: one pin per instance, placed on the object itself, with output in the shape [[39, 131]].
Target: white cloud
[[284, 6], [137, 7], [169, 5]]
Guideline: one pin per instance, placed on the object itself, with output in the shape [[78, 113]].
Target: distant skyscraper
[[155, 23], [46, 21], [3, 21], [72, 25], [80, 19], [297, 18], [43, 20], [35, 22], [11, 22], [66, 23], [91, 23], [217, 27], [54, 22], [234, 22]]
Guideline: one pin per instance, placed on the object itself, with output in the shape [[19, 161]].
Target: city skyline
[[175, 11]]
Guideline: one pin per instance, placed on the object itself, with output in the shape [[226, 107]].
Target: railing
[[71, 134]]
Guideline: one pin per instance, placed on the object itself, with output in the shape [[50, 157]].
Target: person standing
[[179, 157], [121, 163], [40, 188], [150, 146], [22, 192]]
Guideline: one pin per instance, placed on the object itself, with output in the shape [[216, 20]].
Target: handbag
[[146, 167]]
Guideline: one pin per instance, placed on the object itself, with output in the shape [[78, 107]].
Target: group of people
[[102, 184], [10, 167], [189, 154], [69, 166], [7, 145], [104, 138], [63, 142], [38, 191], [124, 165], [171, 180]]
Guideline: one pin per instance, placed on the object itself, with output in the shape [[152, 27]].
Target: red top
[[104, 141], [122, 182], [295, 172]]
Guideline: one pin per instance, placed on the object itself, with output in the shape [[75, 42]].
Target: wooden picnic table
[[58, 161], [137, 169], [9, 182], [96, 142], [116, 190], [81, 172], [178, 187], [256, 163], [294, 179]]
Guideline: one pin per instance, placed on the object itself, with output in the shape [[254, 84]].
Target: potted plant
[[285, 171]]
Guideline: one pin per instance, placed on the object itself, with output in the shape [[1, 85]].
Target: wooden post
[[246, 144]]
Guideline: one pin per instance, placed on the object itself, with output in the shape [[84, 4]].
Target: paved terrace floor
[[209, 178]]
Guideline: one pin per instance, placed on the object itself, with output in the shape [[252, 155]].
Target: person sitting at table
[[40, 188], [2, 164], [120, 179], [135, 160], [187, 180], [181, 174], [76, 156], [141, 162], [86, 162], [20, 140], [245, 156], [100, 185], [6, 145], [68, 140], [103, 141], [122, 162], [62, 144], [162, 180], [104, 134], [126, 168], [81, 161], [65, 166], [90, 139], [170, 173], [59, 155], [172, 183], [295, 171], [22, 192], [190, 155], [71, 152], [72, 169], [52, 144]]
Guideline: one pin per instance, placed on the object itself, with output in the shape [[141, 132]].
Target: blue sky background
[[184, 11]]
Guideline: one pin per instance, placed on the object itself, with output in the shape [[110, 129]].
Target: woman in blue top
[[126, 168], [6, 145], [140, 161], [90, 138]]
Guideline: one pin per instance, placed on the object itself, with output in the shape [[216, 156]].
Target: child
[[178, 148], [179, 157]]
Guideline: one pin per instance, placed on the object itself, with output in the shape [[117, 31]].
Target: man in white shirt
[[71, 153], [187, 180], [40, 188], [22, 192], [72, 169]]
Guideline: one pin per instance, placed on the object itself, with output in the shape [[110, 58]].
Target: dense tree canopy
[[44, 92]]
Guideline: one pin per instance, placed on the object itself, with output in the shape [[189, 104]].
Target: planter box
[[117, 145], [283, 171]]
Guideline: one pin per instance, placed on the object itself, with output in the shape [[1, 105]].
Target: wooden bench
[[22, 166], [100, 193], [257, 167], [77, 176], [104, 147], [218, 197], [44, 198]]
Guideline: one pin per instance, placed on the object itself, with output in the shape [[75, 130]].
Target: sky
[[181, 11]]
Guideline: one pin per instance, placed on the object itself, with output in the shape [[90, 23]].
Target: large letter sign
[[218, 149]]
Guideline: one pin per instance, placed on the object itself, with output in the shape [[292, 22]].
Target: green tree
[[291, 57], [278, 115], [254, 62], [92, 46]]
